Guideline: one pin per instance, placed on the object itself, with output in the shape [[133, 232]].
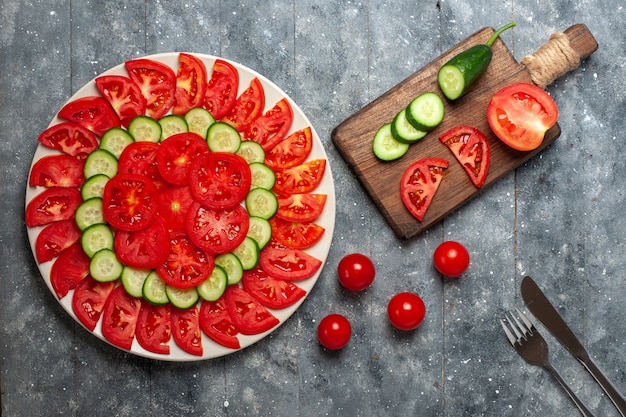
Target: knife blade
[[539, 305]]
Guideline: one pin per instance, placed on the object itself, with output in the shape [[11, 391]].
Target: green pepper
[[462, 71]]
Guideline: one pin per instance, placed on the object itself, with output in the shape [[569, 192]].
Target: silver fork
[[533, 348]]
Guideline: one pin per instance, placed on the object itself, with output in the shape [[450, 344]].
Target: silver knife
[[541, 308]]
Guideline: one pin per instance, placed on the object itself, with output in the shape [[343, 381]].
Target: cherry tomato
[[334, 332], [406, 311], [451, 259], [356, 272]]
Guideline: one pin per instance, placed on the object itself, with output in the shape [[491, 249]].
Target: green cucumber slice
[[425, 112], [145, 129], [261, 203], [153, 289], [260, 230], [232, 265], [133, 280], [262, 176], [198, 120], [180, 298], [172, 124], [403, 131], [89, 212], [248, 253], [104, 266], [94, 186], [385, 146], [222, 137], [115, 140], [214, 286], [251, 151], [95, 238], [100, 161]]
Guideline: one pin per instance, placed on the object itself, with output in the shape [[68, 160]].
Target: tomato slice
[[70, 138], [220, 180], [157, 83], [89, 299], [119, 318], [419, 183], [129, 202], [221, 90], [52, 205], [300, 179], [269, 291], [289, 264], [57, 171], [249, 316], [187, 266], [300, 207], [520, 115], [217, 230], [273, 126], [296, 235], [186, 330], [176, 155], [147, 248], [174, 203], [154, 328], [55, 238], [471, 148], [216, 323], [249, 106], [123, 95], [70, 268], [191, 81], [91, 112], [290, 152], [140, 158]]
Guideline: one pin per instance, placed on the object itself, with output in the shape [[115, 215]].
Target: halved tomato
[[273, 126], [419, 183], [157, 83], [147, 248], [154, 328], [70, 138], [119, 318], [123, 95], [129, 202], [270, 291], [216, 323], [471, 148], [191, 81], [57, 171], [174, 203], [300, 207], [140, 158], [292, 151], [176, 155], [217, 230], [289, 264], [70, 268], [296, 235], [89, 299], [300, 179], [52, 205], [187, 266], [222, 88], [249, 106], [186, 330], [220, 180], [55, 238], [249, 316], [91, 112]]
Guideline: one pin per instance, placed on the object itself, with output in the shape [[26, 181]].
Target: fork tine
[[508, 332], [527, 322], [516, 325]]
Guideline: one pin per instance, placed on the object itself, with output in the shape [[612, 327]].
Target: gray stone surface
[[559, 218]]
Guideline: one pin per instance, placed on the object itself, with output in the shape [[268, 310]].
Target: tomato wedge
[[123, 95], [147, 248], [69, 138], [57, 171], [216, 323], [221, 90], [140, 158], [186, 330], [217, 230], [273, 126], [249, 106], [119, 318], [154, 328], [187, 266], [70, 268], [220, 180], [191, 81], [249, 316], [300, 207], [419, 183], [176, 155], [269, 291], [289, 264], [174, 203], [52, 205], [129, 202], [471, 148], [290, 152], [521, 114], [300, 179], [55, 238], [91, 112], [157, 83], [89, 299], [296, 235]]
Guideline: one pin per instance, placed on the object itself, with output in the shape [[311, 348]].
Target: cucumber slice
[[182, 298], [248, 253], [115, 140], [198, 120], [262, 176], [403, 131], [260, 230], [95, 238], [89, 212], [133, 280], [145, 129], [425, 112], [386, 147], [104, 266], [171, 125], [251, 151], [153, 289], [94, 186], [232, 265], [214, 286], [100, 161], [261, 203], [222, 137]]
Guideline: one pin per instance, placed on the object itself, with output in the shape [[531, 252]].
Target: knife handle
[[611, 391]]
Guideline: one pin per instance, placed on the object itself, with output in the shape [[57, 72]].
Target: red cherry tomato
[[451, 259], [334, 331], [406, 311], [356, 272]]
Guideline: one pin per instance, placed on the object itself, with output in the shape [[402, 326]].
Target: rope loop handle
[[552, 60]]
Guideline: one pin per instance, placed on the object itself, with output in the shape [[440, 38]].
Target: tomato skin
[[471, 148], [300, 207], [249, 316], [217, 231], [249, 106], [216, 323], [186, 330], [91, 112], [406, 311], [186, 266], [269, 291], [157, 83], [451, 259], [272, 127], [119, 318], [220, 180], [290, 152], [69, 138], [129, 202], [154, 328], [177, 153], [123, 95], [55, 238], [57, 171], [52, 205], [140, 158], [289, 264], [147, 248], [296, 235], [191, 80], [419, 184], [70, 268], [300, 179], [356, 272], [520, 114], [334, 331], [89, 299], [221, 91]]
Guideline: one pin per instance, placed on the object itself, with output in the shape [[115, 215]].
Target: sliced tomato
[[52, 205], [273, 126], [89, 299], [300, 207], [290, 152], [217, 230], [55, 238], [419, 183], [249, 316], [471, 148], [129, 202], [186, 330], [191, 81], [123, 95], [296, 235], [521, 114], [57, 171], [154, 328], [119, 318], [157, 83], [249, 106], [176, 155], [270, 291], [187, 266], [222, 89], [147, 248], [91, 112], [70, 138], [220, 180], [289, 264], [174, 203], [140, 158], [300, 179], [70, 268], [216, 323]]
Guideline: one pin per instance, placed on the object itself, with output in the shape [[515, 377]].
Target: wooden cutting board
[[353, 137]]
